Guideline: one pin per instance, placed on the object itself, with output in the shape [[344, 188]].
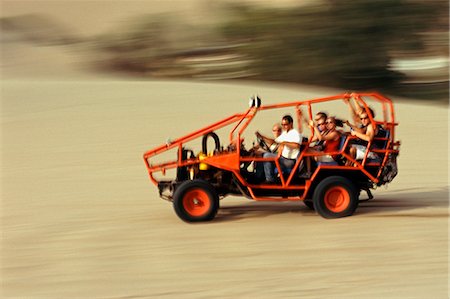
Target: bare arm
[[332, 136], [354, 127], [268, 140], [358, 108], [370, 134], [290, 144], [316, 131], [354, 111]]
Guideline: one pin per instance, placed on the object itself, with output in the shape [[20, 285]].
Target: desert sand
[[80, 219]]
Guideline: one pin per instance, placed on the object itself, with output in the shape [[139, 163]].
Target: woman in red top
[[331, 137]]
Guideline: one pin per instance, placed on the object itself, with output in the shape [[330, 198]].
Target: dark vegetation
[[347, 44]]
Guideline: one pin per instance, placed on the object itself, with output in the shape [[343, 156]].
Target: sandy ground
[[80, 218]]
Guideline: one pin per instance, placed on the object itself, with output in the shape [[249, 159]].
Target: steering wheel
[[263, 144]]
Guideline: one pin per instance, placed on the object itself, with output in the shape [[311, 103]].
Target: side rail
[[153, 167]]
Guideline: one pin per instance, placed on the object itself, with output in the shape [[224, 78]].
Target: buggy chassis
[[332, 189]]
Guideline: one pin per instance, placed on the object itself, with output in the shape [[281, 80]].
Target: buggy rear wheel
[[196, 201], [335, 197]]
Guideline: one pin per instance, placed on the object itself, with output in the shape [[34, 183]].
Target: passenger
[[320, 119], [289, 141], [355, 112], [320, 123], [331, 139], [319, 128], [366, 133]]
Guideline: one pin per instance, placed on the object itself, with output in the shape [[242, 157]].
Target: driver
[[263, 148], [289, 144]]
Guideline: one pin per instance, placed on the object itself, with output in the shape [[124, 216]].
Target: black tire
[[196, 201], [205, 142], [309, 203], [335, 197]]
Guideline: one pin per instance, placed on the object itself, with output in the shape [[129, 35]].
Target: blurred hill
[[96, 17], [33, 46], [21, 60], [398, 46], [35, 28]]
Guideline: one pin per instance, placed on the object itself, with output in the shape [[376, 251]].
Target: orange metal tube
[[387, 107]]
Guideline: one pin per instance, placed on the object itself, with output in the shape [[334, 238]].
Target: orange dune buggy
[[196, 179]]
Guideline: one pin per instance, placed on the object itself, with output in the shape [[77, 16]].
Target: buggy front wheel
[[335, 197], [196, 201]]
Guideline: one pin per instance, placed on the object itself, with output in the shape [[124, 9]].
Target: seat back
[[343, 139], [380, 142], [381, 139]]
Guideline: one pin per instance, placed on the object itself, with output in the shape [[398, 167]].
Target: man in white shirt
[[289, 141]]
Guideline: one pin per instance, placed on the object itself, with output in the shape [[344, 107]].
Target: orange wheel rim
[[196, 202], [337, 199]]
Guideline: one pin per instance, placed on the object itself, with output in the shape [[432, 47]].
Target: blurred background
[[395, 46]]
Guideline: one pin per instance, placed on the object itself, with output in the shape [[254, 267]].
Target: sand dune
[[89, 18], [80, 218]]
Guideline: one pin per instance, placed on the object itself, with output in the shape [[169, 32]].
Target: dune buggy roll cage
[[231, 159]]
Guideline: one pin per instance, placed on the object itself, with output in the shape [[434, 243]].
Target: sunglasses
[[321, 124]]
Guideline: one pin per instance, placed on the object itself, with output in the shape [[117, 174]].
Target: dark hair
[[339, 122], [322, 114], [288, 118]]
